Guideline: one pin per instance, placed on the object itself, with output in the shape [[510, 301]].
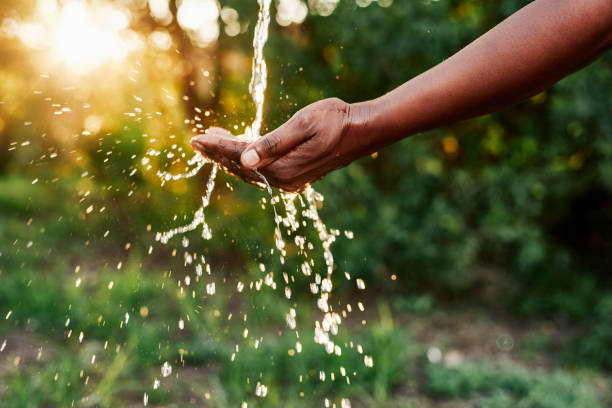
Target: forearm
[[526, 53]]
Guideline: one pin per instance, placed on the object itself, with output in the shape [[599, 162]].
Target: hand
[[318, 139]]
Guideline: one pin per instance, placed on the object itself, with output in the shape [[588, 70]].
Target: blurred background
[[485, 246]]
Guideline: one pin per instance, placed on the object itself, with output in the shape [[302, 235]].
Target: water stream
[[309, 201]]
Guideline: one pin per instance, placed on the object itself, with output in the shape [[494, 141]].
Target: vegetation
[[488, 240]]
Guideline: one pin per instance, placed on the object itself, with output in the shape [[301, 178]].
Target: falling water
[[259, 79], [309, 200]]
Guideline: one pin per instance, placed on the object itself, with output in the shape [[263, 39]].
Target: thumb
[[275, 144]]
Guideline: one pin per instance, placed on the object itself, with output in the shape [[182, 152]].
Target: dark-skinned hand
[[315, 141], [523, 55]]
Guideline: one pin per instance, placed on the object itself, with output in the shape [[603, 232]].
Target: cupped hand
[[316, 140]]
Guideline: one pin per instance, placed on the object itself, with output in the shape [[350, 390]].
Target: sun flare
[[82, 36], [84, 41]]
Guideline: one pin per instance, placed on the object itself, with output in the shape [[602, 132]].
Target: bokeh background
[[485, 246]]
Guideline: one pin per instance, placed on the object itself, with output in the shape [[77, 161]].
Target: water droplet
[[166, 369], [290, 318], [434, 355], [261, 390]]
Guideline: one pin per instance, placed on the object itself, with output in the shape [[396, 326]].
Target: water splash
[[198, 218], [166, 369], [309, 201], [259, 78]]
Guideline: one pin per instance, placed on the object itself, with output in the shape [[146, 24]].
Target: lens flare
[[84, 41], [82, 36]]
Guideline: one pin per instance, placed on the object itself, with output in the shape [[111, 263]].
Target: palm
[[301, 151]]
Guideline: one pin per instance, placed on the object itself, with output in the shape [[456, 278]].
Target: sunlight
[[291, 11], [83, 43], [200, 19], [81, 36]]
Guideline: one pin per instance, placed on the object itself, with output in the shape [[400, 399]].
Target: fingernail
[[250, 158]]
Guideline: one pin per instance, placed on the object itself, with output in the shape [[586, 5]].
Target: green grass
[[131, 358], [48, 311], [511, 386], [200, 354]]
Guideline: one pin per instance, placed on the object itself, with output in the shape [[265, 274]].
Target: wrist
[[363, 126]]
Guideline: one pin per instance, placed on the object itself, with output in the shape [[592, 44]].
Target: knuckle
[[304, 119], [224, 144], [337, 104], [237, 150], [269, 144], [335, 101]]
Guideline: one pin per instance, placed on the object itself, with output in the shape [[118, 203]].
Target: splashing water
[[198, 218], [166, 369], [259, 80], [309, 200]]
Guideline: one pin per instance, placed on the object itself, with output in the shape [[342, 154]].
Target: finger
[[293, 171], [219, 130], [295, 164], [219, 153], [222, 147], [278, 142], [232, 167], [217, 141]]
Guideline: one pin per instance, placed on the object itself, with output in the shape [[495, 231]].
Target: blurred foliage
[[524, 195], [510, 387]]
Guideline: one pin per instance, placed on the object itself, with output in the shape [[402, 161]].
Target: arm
[[523, 55], [526, 53]]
